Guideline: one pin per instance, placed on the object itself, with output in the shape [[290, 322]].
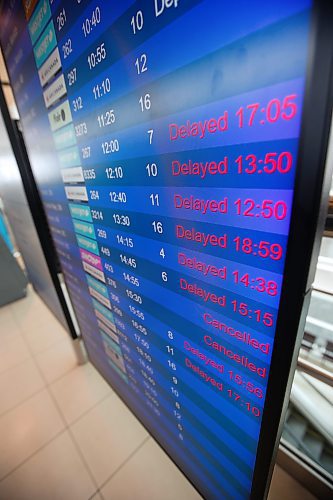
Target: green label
[[70, 157], [89, 245], [84, 228], [46, 44], [39, 19], [118, 370], [98, 286], [115, 347], [81, 212], [65, 137], [103, 310]]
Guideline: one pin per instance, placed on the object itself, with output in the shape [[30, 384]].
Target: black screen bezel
[[309, 211]]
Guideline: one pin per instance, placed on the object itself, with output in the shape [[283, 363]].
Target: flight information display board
[[163, 135]]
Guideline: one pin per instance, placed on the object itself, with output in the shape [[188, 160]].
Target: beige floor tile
[[18, 384], [56, 472], [284, 486], [107, 435], [43, 335], [20, 307], [57, 360], [149, 475], [8, 326], [5, 313], [27, 428], [13, 350], [97, 496], [30, 312], [78, 391]]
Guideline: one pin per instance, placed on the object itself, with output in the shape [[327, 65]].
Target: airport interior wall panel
[[13, 282]]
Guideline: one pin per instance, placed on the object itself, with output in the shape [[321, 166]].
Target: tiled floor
[[64, 434]]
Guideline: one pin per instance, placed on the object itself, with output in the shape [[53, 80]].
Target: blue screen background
[[163, 139]]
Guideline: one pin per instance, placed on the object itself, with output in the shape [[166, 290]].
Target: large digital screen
[[164, 135]]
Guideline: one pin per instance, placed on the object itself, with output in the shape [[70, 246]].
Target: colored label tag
[[72, 174], [64, 137], [89, 245], [76, 193], [38, 21], [99, 297], [51, 66], [84, 228], [102, 318], [55, 91], [114, 353], [70, 158], [105, 312], [113, 361], [98, 286], [45, 45], [114, 346], [93, 271], [91, 259], [80, 212], [60, 116], [108, 331]]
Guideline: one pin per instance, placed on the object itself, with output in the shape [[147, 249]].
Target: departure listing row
[[163, 135]]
